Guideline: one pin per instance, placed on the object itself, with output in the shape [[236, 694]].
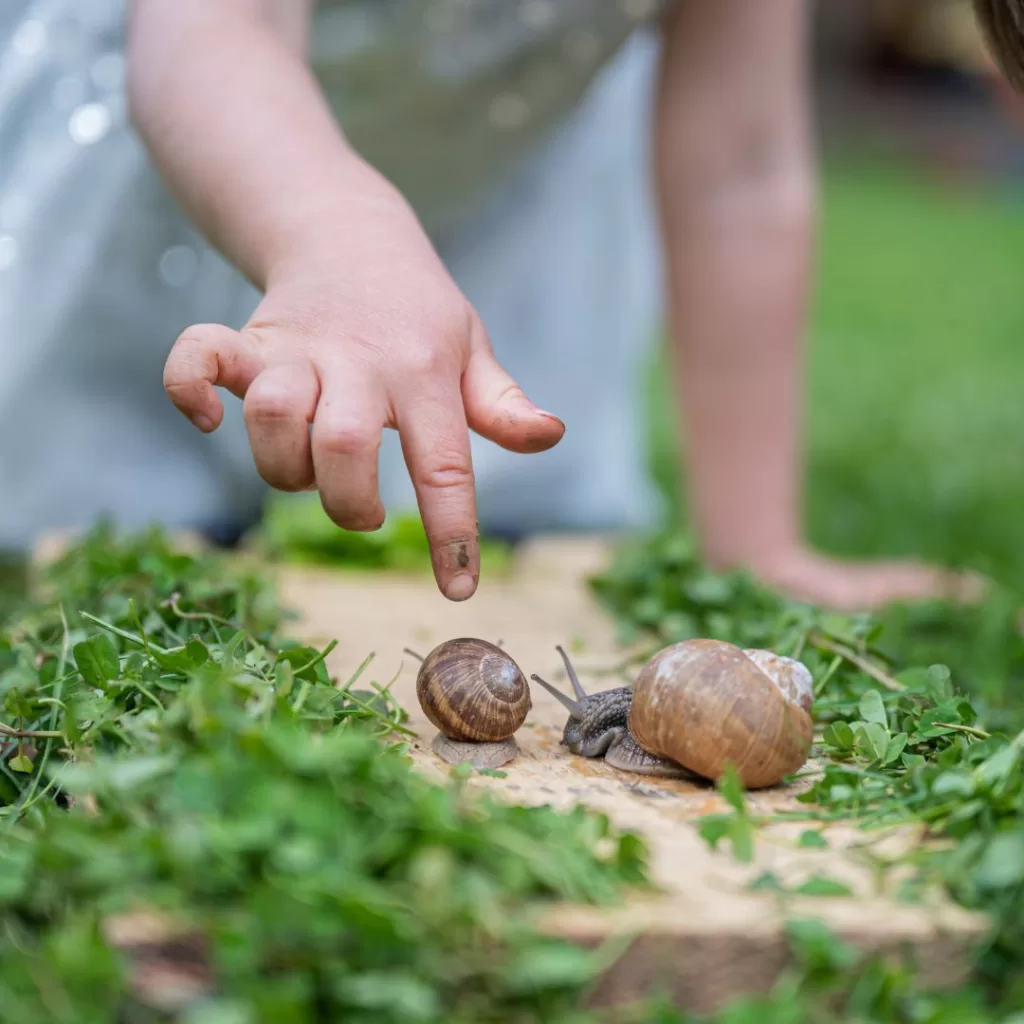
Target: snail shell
[[706, 703], [472, 691], [792, 677]]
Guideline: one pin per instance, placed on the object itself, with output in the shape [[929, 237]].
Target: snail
[[697, 706], [477, 697], [598, 726]]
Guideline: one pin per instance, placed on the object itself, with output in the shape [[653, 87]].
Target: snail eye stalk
[[581, 694], [570, 705]]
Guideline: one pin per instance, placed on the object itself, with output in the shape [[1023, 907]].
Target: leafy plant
[[737, 826], [168, 756]]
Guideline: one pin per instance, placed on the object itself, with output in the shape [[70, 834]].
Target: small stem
[[138, 686], [16, 782], [300, 700], [380, 716], [32, 794], [142, 629], [358, 672], [320, 657], [980, 733], [829, 673], [30, 734], [172, 603], [123, 634], [855, 659], [801, 643]]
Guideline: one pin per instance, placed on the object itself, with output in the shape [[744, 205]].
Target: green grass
[[916, 374]]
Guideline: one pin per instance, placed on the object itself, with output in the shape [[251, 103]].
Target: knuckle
[[178, 374], [511, 392], [446, 474], [191, 356], [456, 320], [425, 359], [346, 436], [270, 401], [196, 339], [439, 336], [179, 390]]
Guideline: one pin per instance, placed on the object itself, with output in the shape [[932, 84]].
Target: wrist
[[358, 210]]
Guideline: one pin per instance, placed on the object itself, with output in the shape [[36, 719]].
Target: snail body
[[477, 697], [598, 726], [697, 706]]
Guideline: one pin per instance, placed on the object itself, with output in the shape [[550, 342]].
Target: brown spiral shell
[[472, 690], [706, 703]]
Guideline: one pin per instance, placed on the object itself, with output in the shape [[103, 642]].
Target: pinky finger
[[205, 357]]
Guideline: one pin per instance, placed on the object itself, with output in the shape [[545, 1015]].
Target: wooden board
[[707, 936]]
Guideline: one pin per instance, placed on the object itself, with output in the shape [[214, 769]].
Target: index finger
[[435, 443]]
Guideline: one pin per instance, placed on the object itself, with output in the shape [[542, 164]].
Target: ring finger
[[346, 445]]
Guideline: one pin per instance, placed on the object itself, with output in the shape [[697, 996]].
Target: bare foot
[[863, 586]]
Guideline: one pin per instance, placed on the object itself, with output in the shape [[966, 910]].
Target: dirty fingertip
[[460, 587], [457, 567]]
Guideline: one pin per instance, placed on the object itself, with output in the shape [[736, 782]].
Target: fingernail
[[550, 416], [460, 587], [204, 423]]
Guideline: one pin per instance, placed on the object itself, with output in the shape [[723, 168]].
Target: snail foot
[[627, 755], [479, 755]]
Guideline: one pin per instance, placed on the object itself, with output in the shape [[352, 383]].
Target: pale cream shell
[[792, 677]]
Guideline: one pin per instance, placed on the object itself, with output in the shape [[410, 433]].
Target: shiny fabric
[[518, 130]]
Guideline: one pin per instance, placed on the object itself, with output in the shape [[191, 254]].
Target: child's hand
[[357, 332], [361, 327]]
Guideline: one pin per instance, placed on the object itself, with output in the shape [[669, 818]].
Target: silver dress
[[519, 132]]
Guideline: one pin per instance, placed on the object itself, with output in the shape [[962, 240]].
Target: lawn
[[916, 418]]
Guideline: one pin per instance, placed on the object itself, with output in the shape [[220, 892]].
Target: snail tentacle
[[567, 702], [581, 694]]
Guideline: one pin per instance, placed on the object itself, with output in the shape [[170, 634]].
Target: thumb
[[207, 356], [498, 409]]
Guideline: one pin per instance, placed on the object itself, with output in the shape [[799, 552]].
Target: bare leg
[[737, 192]]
